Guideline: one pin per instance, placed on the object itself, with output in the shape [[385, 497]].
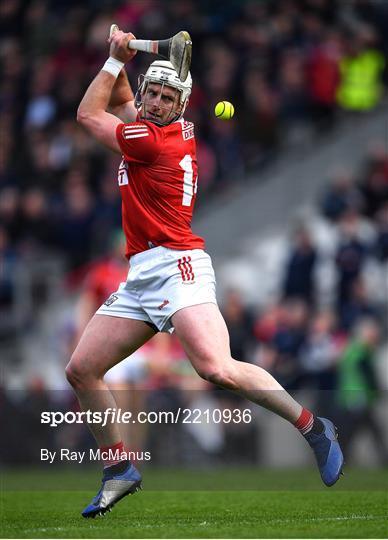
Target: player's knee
[[73, 374], [219, 374], [77, 372]]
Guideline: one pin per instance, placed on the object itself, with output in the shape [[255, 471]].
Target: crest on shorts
[[186, 270], [111, 299], [163, 304]]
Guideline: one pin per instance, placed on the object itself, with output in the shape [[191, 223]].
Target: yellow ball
[[224, 110]]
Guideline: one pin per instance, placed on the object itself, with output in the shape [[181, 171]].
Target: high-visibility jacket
[[361, 87]]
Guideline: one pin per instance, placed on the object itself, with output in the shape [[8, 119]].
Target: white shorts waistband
[[155, 253]]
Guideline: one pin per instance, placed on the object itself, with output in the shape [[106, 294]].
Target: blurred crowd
[[290, 67]]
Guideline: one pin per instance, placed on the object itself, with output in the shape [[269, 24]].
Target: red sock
[[112, 454], [305, 421]]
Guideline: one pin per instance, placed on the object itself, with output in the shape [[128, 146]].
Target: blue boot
[[115, 486], [327, 452]]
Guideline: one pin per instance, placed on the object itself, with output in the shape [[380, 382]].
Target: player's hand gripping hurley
[[176, 49]]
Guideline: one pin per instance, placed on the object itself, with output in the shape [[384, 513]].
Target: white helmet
[[162, 72]]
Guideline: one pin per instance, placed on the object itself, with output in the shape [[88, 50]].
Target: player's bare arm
[[92, 111], [122, 101]]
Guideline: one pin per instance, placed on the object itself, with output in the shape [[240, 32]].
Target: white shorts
[[160, 282]]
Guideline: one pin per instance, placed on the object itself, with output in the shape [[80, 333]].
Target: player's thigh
[[107, 340], [203, 334]]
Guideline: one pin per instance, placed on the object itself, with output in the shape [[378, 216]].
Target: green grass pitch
[[234, 503]]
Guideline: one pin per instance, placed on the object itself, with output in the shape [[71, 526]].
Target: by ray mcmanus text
[[68, 455]]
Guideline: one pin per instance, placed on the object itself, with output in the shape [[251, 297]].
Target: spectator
[[319, 358], [239, 321], [299, 272], [41, 108], [75, 223], [294, 103], [358, 389], [350, 256], [382, 233], [36, 232], [227, 150], [102, 278], [361, 70], [357, 307], [374, 180], [7, 259], [108, 211], [323, 77], [268, 323], [9, 212], [259, 119], [288, 342], [321, 351], [340, 196]]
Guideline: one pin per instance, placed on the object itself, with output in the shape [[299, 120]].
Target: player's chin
[[160, 120], [154, 118]]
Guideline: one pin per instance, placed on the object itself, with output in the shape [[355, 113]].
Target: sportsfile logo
[[118, 416]]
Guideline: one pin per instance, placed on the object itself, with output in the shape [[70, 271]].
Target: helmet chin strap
[[142, 117]]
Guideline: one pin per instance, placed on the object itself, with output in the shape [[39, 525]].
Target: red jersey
[[158, 185]]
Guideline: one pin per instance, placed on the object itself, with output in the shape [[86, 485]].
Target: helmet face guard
[[162, 73], [143, 106]]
